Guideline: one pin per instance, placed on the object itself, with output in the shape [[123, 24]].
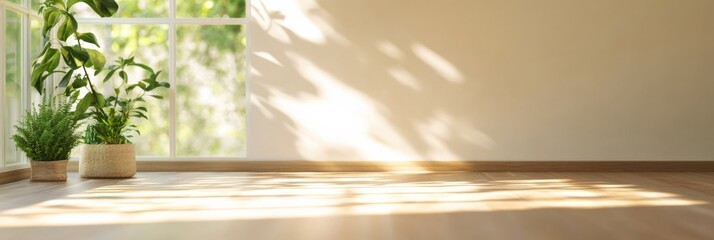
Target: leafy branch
[[111, 114]]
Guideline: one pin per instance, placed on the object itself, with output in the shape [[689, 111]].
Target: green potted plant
[[108, 151], [47, 135]]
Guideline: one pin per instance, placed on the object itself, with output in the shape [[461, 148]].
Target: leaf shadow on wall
[[331, 83]]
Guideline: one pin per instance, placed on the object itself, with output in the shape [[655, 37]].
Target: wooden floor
[[363, 206]]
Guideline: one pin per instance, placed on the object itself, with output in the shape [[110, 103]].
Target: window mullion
[[2, 84], [18, 8], [247, 76], [172, 79], [25, 68], [201, 21]]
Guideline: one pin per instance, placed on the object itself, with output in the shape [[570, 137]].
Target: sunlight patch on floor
[[231, 198]]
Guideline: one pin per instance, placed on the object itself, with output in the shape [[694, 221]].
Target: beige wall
[[482, 80]]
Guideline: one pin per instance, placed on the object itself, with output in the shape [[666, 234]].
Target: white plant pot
[[107, 161]]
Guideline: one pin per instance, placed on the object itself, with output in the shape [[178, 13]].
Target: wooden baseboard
[[14, 175], [420, 166]]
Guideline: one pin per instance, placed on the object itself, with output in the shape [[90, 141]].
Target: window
[[199, 45]]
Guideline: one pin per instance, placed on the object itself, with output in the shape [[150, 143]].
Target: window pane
[[210, 8], [210, 93], [36, 35], [129, 9], [149, 45], [13, 95], [35, 4], [37, 43]]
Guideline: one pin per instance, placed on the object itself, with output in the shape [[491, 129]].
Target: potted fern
[[47, 135], [108, 151]]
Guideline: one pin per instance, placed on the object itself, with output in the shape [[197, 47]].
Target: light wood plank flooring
[[468, 205]]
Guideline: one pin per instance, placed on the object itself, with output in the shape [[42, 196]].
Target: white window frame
[[27, 14], [172, 21]]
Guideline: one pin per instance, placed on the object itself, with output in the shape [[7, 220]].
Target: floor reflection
[[176, 197]]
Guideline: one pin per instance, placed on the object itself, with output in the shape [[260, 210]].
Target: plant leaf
[[74, 96], [74, 56], [79, 82], [84, 104], [140, 115], [48, 63], [110, 74], [103, 8], [96, 59], [147, 68], [50, 16], [66, 78], [123, 76], [88, 37], [100, 99], [68, 27]]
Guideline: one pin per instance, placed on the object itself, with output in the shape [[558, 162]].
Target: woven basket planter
[[107, 161], [50, 171]]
